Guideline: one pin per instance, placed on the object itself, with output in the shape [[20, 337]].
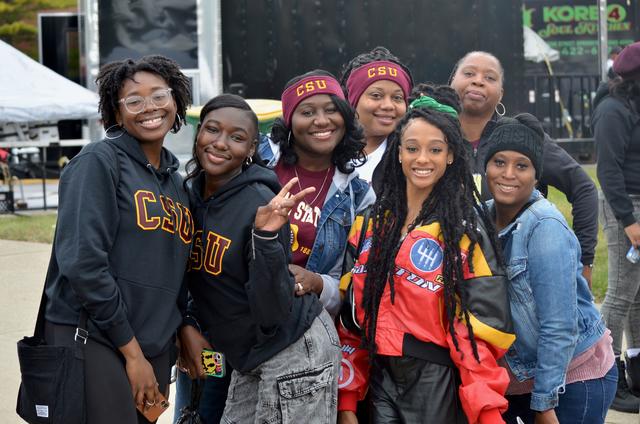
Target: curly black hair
[[628, 91], [463, 58], [453, 203], [377, 53], [112, 76], [349, 150], [194, 167]]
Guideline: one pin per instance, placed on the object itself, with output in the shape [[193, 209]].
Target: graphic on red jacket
[[418, 309]]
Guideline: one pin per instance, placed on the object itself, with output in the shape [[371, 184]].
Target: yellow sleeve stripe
[[344, 283], [495, 337], [356, 226]]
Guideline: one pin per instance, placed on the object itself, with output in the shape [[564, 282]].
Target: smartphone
[[151, 413], [213, 363]]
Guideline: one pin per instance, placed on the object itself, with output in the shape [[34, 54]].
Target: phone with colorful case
[[213, 363]]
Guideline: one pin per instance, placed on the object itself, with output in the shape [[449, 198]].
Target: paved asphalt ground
[[22, 271]]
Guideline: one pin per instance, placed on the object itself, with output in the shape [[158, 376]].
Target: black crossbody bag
[[52, 377]]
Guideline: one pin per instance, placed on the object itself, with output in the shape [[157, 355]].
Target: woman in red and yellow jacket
[[429, 312]]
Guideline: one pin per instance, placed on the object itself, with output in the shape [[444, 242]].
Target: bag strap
[[39, 330], [81, 334], [363, 231]]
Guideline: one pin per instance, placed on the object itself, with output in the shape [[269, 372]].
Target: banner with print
[[571, 27]]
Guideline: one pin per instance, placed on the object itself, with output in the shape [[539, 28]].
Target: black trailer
[[267, 42]]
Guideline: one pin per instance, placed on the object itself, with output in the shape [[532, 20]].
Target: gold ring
[[299, 286]]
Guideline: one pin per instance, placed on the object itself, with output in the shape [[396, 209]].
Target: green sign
[[571, 27]]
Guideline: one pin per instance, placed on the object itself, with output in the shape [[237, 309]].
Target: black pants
[[409, 390], [107, 390]]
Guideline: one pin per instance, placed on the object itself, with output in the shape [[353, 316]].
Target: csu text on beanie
[[362, 77], [627, 64], [307, 87], [519, 138]]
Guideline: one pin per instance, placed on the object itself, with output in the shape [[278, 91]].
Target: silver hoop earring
[[248, 160], [504, 109], [289, 139], [113, 137]]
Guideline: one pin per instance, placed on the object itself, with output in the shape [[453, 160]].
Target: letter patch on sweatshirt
[[214, 250], [175, 217]]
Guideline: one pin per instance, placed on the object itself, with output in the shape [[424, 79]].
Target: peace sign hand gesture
[[275, 214]]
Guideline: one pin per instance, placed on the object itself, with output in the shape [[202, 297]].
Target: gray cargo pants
[[298, 385]]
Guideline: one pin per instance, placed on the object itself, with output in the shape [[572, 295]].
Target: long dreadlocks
[[452, 203]]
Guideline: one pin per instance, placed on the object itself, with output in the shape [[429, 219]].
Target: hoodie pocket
[[152, 312]]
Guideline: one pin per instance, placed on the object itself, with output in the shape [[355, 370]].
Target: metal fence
[[563, 103]]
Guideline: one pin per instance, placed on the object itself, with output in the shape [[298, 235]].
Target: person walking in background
[[429, 313], [561, 364], [377, 86], [617, 134], [122, 242], [283, 348], [478, 79]]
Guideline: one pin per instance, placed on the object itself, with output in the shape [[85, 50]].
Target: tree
[[18, 21]]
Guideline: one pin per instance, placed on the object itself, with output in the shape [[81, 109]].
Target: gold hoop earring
[[504, 109], [248, 160]]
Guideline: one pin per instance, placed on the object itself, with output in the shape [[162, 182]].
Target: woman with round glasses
[[122, 242]]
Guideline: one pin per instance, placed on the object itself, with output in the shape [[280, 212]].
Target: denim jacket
[[551, 305], [348, 195]]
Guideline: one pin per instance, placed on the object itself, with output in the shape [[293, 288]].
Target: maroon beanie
[[627, 64]]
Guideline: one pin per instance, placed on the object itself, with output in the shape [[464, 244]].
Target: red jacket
[[419, 310]]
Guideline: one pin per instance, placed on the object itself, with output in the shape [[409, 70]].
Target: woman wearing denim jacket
[[317, 141], [561, 364]]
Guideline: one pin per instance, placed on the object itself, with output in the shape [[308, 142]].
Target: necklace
[[310, 204]]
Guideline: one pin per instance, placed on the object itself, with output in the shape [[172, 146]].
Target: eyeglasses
[[136, 104]]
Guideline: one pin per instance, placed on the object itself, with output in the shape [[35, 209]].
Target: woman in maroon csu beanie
[[377, 85], [616, 126]]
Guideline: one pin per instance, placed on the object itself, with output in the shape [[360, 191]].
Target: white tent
[[30, 91], [536, 49]]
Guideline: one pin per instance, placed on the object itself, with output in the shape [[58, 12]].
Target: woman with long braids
[[429, 299], [478, 78], [122, 242], [377, 86], [318, 141]]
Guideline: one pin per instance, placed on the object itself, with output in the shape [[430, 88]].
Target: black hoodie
[[616, 128], [242, 291], [122, 244]]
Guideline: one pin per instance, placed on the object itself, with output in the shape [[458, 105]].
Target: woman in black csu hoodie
[[122, 241], [284, 349]]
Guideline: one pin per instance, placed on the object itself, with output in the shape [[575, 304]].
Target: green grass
[[599, 277], [36, 227]]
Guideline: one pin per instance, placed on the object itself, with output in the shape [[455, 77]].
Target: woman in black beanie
[[561, 364]]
